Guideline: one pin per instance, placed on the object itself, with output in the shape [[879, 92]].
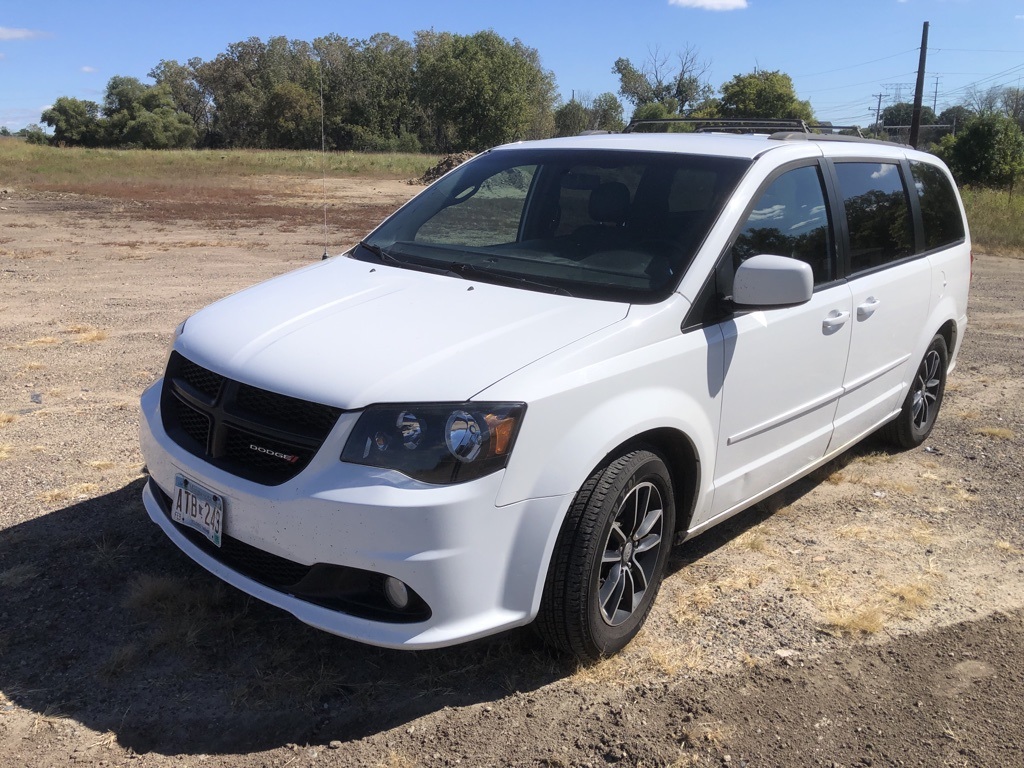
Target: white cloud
[[88, 70], [11, 33], [711, 5]]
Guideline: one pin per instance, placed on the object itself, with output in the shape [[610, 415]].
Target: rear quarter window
[[940, 211]]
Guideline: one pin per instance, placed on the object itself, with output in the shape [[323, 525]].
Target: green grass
[[49, 167], [996, 219]]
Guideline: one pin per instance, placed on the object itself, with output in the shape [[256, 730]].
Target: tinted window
[[790, 218], [877, 213], [940, 212]]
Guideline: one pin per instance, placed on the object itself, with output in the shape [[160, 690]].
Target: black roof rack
[[746, 125]]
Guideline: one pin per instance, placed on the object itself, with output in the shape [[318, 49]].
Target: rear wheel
[[917, 417], [610, 557]]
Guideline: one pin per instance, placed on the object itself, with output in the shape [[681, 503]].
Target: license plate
[[198, 508]]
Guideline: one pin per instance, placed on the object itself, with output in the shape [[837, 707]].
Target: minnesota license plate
[[198, 508]]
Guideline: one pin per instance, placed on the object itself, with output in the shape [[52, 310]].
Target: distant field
[[996, 218], [51, 168]]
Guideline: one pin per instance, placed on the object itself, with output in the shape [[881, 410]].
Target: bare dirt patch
[[869, 615]]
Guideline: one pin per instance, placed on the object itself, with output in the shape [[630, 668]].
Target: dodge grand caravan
[[507, 403]]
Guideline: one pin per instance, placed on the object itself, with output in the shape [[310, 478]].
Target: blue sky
[[839, 53]]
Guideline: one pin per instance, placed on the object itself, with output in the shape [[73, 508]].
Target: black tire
[[917, 417], [609, 558]]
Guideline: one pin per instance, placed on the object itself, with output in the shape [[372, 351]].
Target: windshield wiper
[[382, 256], [469, 271]]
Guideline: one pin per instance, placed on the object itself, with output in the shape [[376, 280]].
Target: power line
[[862, 64]]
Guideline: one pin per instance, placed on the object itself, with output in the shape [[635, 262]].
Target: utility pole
[[935, 96], [915, 121], [878, 109]]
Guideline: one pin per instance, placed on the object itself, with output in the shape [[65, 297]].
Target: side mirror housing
[[765, 282]]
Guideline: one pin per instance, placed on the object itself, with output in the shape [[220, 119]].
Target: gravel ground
[[870, 615]]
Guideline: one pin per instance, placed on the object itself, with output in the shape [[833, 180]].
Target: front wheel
[[610, 558], [917, 417]]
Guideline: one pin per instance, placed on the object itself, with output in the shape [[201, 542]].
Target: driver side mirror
[[767, 282]]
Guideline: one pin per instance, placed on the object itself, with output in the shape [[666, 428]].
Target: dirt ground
[[871, 615]]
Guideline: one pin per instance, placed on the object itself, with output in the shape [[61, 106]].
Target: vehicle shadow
[[105, 621]]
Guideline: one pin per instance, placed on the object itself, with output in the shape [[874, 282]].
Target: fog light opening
[[397, 593]]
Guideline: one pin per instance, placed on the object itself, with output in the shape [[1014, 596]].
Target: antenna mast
[[323, 151]]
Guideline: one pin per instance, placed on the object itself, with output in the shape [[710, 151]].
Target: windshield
[[603, 224]]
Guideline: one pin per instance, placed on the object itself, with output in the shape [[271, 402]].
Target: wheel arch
[[680, 455]]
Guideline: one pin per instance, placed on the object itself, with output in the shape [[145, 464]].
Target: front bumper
[[480, 568]]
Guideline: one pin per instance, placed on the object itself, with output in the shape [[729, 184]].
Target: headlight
[[436, 442]]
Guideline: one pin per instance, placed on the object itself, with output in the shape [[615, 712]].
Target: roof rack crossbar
[[742, 125]]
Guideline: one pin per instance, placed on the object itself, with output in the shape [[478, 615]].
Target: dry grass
[[690, 606], [34, 365], [86, 334], [864, 618], [903, 601], [1008, 548], [78, 491], [394, 759], [122, 659], [43, 341], [183, 615], [6, 451], [923, 534], [102, 464], [109, 553], [906, 601], [751, 541], [999, 432], [7, 418], [17, 575]]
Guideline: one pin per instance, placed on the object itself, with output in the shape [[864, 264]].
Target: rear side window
[[877, 213], [943, 224]]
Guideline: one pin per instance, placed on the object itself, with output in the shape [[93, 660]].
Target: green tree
[[240, 83], [679, 86], [75, 122], [571, 119], [760, 94], [957, 116], [144, 116], [586, 114], [902, 113], [368, 94], [654, 110], [989, 151], [188, 94], [480, 90], [33, 134], [606, 113]]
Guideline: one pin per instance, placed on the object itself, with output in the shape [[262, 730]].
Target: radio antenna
[[323, 151]]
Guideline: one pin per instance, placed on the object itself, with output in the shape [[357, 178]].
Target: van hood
[[349, 333]]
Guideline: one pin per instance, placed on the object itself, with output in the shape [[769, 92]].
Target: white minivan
[[507, 403]]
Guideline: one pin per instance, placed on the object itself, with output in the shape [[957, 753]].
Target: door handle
[[834, 320], [865, 310]]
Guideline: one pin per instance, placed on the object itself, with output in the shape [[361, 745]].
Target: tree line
[[445, 92]]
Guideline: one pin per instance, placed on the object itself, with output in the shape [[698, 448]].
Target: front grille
[[250, 432]]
